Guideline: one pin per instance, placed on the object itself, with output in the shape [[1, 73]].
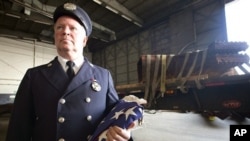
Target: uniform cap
[[76, 12]]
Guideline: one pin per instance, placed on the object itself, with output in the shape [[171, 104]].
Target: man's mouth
[[66, 40]]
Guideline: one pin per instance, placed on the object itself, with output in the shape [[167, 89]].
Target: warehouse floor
[[171, 126], [174, 126]]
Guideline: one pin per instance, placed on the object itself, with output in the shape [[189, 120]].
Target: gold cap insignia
[[69, 6]]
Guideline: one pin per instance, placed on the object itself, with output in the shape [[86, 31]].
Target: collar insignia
[[49, 65]]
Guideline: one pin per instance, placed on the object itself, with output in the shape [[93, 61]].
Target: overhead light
[[32, 8], [111, 9], [41, 22], [27, 11], [12, 15], [12, 96], [98, 2], [117, 8], [125, 17], [138, 24]]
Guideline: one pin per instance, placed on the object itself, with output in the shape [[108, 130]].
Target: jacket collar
[[58, 78]]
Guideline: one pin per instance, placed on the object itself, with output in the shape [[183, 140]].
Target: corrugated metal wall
[[191, 29]]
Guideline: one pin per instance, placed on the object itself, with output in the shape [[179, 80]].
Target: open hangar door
[[16, 56]]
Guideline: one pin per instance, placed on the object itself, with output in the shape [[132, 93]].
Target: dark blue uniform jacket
[[49, 108]]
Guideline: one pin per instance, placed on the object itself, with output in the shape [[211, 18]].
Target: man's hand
[[116, 133], [123, 118]]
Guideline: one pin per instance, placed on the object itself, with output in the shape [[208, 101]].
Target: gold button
[[89, 117], [88, 99], [62, 101], [61, 139], [61, 119], [88, 137]]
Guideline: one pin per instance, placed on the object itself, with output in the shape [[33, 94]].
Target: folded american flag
[[123, 114]]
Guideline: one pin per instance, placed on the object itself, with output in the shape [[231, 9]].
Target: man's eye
[[59, 27], [74, 28]]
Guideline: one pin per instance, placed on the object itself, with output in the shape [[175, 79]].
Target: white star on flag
[[117, 114], [129, 112], [122, 115]]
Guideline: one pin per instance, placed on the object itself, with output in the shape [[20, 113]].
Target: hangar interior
[[134, 40]]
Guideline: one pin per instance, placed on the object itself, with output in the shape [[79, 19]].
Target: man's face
[[70, 37]]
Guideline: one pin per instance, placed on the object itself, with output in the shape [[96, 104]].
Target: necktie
[[70, 70]]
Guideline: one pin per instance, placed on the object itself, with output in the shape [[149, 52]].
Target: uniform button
[[62, 101], [87, 99], [61, 119], [61, 139], [89, 117], [88, 137]]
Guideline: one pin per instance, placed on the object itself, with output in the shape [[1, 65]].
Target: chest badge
[[95, 86]]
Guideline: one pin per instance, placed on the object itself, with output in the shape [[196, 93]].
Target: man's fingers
[[132, 125], [118, 134]]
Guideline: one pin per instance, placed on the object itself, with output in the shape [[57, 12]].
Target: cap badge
[[69, 6], [95, 86]]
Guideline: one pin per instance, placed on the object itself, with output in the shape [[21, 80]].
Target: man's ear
[[85, 40]]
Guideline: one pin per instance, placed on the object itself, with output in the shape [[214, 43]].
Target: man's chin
[[66, 47], [66, 42]]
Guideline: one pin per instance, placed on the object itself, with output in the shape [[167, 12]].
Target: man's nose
[[66, 31]]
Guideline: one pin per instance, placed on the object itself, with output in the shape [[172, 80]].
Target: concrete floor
[[170, 126], [174, 126]]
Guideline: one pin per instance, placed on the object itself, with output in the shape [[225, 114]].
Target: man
[[51, 106]]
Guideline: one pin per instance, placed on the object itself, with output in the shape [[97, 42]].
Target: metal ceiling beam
[[47, 11], [117, 8], [4, 32]]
